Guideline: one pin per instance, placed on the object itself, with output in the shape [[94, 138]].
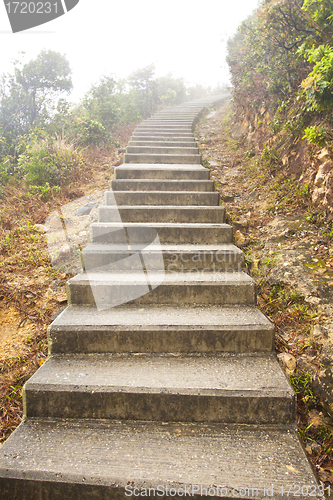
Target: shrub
[[45, 159]]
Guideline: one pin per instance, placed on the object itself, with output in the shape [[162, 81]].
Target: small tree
[[145, 87], [28, 95]]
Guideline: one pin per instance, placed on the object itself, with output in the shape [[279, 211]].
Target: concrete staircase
[[177, 388]]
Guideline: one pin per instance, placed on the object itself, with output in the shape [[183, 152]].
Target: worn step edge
[[162, 171], [165, 213], [107, 257], [53, 458], [227, 388], [160, 185], [168, 233], [157, 329], [194, 159], [158, 198], [107, 290]]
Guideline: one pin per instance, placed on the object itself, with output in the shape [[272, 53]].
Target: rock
[[41, 228], [239, 238], [228, 197], [323, 170], [318, 195], [324, 152], [65, 249], [86, 209], [288, 362], [322, 384], [313, 301], [313, 448], [121, 150], [317, 331], [241, 224], [316, 419], [285, 234]]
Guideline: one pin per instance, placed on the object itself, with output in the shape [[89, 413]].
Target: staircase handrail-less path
[[176, 391]]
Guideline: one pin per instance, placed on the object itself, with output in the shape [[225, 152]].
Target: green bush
[[48, 160], [45, 192], [315, 135], [318, 86]]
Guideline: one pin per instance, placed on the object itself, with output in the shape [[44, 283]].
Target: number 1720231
[[32, 7]]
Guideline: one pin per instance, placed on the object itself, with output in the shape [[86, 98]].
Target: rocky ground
[[288, 248]]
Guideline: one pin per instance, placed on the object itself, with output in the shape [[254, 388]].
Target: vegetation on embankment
[[289, 252], [281, 62]]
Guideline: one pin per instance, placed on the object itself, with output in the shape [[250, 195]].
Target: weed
[[301, 383]]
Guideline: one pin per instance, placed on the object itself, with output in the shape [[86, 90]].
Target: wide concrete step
[[173, 127], [158, 133], [109, 289], [168, 141], [153, 198], [102, 459], [172, 258], [161, 185], [181, 121], [168, 233], [162, 158], [166, 171], [162, 150], [161, 329], [165, 143], [179, 214], [241, 389]]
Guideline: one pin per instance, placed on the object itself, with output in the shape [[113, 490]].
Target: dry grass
[[31, 291]]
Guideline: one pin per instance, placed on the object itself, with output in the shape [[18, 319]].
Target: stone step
[[161, 185], [153, 198], [102, 459], [160, 133], [161, 329], [161, 150], [163, 140], [172, 126], [158, 120], [165, 172], [166, 143], [106, 290], [164, 129], [183, 258], [179, 114], [168, 233], [162, 158], [179, 214], [237, 389]]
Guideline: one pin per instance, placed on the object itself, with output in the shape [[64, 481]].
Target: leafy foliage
[[46, 160], [282, 56]]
